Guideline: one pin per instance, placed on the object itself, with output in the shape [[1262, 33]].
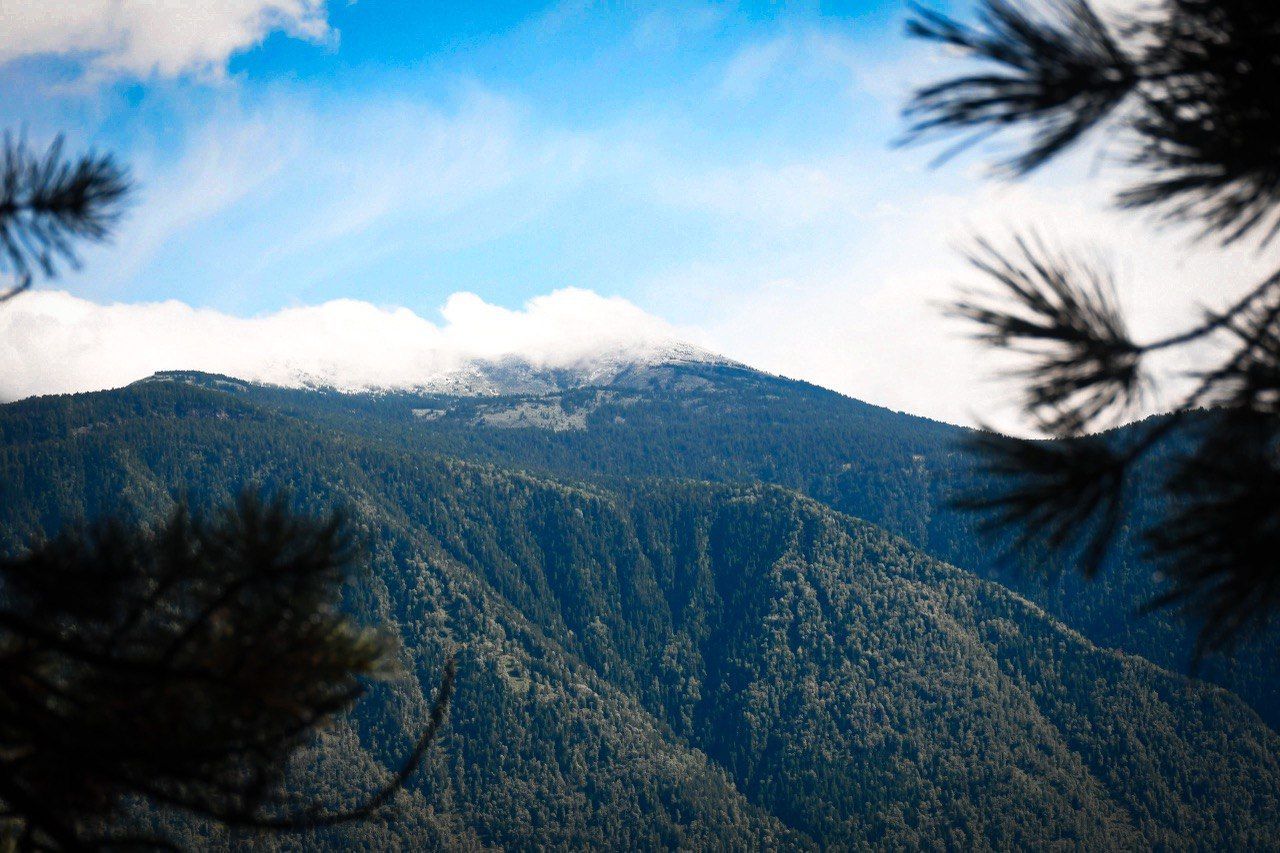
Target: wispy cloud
[[146, 38], [751, 66], [756, 195], [269, 198]]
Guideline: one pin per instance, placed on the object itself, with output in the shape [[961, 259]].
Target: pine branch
[[1060, 311], [1198, 81], [184, 665], [1060, 74], [1208, 126], [1066, 495], [49, 204]]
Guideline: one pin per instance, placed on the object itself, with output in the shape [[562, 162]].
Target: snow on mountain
[[511, 375]]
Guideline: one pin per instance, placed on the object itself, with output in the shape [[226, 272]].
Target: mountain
[[648, 659], [473, 376], [711, 419]]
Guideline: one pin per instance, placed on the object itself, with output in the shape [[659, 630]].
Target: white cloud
[[52, 342], [153, 37]]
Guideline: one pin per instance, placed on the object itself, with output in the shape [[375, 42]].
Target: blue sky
[[535, 146], [727, 169]]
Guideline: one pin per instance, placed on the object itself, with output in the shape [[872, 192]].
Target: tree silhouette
[[184, 664], [181, 665], [1189, 86]]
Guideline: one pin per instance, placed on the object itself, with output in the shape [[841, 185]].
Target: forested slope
[[666, 663], [733, 424]]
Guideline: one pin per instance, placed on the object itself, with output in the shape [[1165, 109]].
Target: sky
[[375, 187]]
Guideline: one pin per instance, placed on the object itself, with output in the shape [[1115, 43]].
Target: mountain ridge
[[480, 376]]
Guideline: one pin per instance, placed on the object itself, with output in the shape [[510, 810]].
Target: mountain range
[[694, 606]]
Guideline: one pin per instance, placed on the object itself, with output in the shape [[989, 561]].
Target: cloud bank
[[52, 342], [166, 38]]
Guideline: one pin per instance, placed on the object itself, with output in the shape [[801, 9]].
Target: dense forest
[[727, 423], [649, 658]]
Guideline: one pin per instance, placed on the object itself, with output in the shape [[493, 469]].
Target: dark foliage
[[1222, 537], [1065, 494], [183, 664], [1060, 75], [1207, 126], [1065, 316], [48, 203], [1191, 86]]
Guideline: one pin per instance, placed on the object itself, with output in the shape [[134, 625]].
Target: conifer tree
[[1190, 87]]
